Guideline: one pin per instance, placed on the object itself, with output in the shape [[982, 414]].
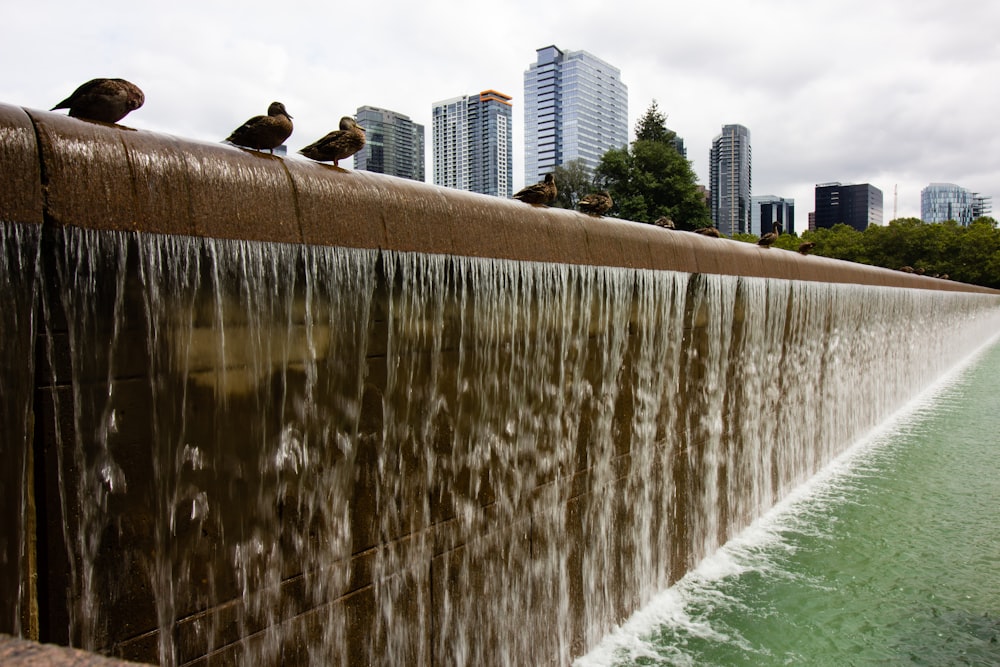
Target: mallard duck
[[540, 193], [806, 248], [767, 239], [709, 231], [665, 222], [105, 100], [264, 132], [596, 203], [339, 144]]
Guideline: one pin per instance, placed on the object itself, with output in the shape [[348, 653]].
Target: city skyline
[[883, 111]]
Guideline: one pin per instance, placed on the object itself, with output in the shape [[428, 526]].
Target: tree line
[[651, 179]]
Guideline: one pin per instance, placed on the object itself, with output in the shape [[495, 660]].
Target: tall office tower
[[946, 201], [395, 144], [729, 180], [766, 210], [473, 143], [575, 108], [856, 205]]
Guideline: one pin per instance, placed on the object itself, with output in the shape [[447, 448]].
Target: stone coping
[[15, 652], [64, 171]]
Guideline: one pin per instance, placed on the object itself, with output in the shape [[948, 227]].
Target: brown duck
[[339, 144], [665, 222], [596, 203], [806, 248], [105, 100], [264, 132], [540, 193], [768, 239], [709, 231]]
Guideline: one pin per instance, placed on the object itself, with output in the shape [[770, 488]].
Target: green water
[[892, 558]]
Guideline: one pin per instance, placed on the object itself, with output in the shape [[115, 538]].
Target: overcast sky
[[895, 93]]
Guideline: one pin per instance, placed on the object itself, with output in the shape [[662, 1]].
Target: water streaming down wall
[[281, 453], [355, 438]]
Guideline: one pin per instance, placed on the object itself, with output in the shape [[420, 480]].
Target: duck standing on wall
[[543, 193], [596, 203], [767, 239], [337, 145], [806, 248], [264, 132], [104, 100]]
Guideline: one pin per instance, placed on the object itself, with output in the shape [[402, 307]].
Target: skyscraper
[[473, 144], [946, 201], [575, 108], [766, 210], [729, 180], [856, 205], [395, 144]]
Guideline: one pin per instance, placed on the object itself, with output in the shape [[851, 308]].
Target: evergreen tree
[[650, 178]]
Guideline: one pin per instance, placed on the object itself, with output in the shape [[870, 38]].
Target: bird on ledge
[[709, 231], [104, 100], [264, 132], [767, 239], [664, 222], [806, 248], [596, 203], [337, 145], [540, 193]]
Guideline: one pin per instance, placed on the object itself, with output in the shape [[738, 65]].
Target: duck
[[104, 100], [596, 203], [806, 248], [337, 145], [709, 231], [264, 132], [543, 192], [767, 239], [664, 222]]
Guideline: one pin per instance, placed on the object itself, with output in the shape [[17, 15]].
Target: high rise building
[[766, 210], [473, 144], [940, 202], [575, 108], [729, 180], [394, 144], [856, 205]]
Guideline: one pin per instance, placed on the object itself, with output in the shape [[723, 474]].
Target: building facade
[[940, 202], [575, 108], [473, 143], [766, 210], [856, 205], [729, 180], [394, 144]]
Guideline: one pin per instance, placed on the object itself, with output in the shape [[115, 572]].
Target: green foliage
[[573, 181], [650, 178], [966, 254]]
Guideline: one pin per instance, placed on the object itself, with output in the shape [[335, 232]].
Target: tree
[[650, 178], [573, 181]]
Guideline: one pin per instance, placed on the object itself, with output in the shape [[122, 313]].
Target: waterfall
[[326, 456]]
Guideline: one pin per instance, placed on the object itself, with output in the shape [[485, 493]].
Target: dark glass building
[[395, 144], [856, 205]]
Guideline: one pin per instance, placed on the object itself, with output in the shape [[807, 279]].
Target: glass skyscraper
[[766, 210], [575, 108], [940, 202], [473, 143], [395, 144], [729, 180], [856, 205]]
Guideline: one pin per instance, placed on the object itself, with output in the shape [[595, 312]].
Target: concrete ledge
[[23, 653], [107, 177]]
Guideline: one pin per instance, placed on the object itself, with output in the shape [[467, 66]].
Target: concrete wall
[[61, 172]]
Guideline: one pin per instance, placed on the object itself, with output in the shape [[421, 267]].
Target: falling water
[[328, 456]]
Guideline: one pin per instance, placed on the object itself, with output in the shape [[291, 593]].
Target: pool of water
[[891, 556]]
